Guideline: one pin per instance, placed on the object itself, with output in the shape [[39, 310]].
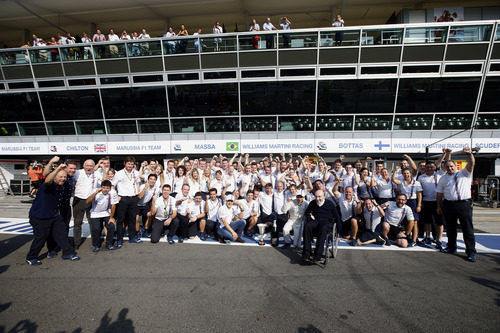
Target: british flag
[[100, 148]]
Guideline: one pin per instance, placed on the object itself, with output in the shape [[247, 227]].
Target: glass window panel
[[222, 124], [382, 36], [463, 68], [90, 127], [2, 86], [104, 51], [140, 102], [8, 130], [298, 39], [426, 35], [296, 123], [404, 122], [219, 75], [179, 45], [66, 128], [263, 124], [373, 123], [71, 104], [187, 125], [339, 38], [494, 67], [21, 85], [121, 127], [148, 78], [114, 80], [257, 41], [14, 57], [452, 122], [219, 44], [488, 121], [332, 123], [490, 101], [356, 96], [379, 70], [81, 82], [421, 69], [154, 126], [32, 129], [264, 73], [456, 94], [183, 77], [44, 55], [285, 97], [20, 107], [338, 71], [470, 33], [49, 84], [139, 48], [75, 52], [203, 100], [297, 72]]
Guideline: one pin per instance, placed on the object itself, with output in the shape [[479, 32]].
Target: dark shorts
[[429, 215], [412, 203], [143, 210], [394, 231], [345, 228], [369, 235]]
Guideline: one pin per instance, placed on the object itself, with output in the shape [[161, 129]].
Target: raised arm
[[471, 160], [411, 162], [48, 168]]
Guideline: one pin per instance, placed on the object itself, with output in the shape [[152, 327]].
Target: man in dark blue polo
[[46, 219], [320, 215]]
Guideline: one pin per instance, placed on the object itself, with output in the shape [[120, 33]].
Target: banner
[[277, 146], [204, 147], [24, 148]]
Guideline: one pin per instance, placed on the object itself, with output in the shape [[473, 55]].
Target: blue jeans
[[237, 226]]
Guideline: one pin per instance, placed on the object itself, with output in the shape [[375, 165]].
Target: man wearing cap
[[230, 225]]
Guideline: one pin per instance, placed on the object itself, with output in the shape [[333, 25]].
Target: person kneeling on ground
[[103, 209], [398, 217], [230, 225], [372, 214], [350, 207], [164, 211]]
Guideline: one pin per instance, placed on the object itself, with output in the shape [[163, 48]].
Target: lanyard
[[169, 204], [412, 188], [109, 202], [93, 179], [456, 187]]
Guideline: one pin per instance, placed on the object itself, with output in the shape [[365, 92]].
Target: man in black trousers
[[46, 219], [320, 215]]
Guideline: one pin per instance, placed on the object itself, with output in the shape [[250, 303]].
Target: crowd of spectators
[[226, 198]]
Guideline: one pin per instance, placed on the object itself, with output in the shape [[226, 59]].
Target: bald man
[[87, 181]]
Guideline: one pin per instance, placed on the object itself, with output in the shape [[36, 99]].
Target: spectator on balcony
[[255, 27], [285, 25], [73, 52], [99, 37], [112, 37], [217, 29], [339, 35], [170, 44], [182, 44], [135, 46], [61, 40], [125, 35], [86, 49], [268, 26], [144, 47], [36, 41], [200, 42], [54, 53]]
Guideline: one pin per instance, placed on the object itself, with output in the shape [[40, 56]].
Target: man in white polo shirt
[[398, 218], [86, 182], [164, 211], [453, 196], [126, 181], [230, 225]]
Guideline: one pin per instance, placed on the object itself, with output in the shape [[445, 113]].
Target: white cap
[[229, 197]]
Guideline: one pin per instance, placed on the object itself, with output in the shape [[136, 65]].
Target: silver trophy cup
[[262, 229]]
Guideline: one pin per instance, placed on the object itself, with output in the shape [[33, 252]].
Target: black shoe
[[471, 257], [380, 240], [387, 241], [450, 251], [285, 247], [239, 240]]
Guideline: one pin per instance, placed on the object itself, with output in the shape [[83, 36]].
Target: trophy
[[262, 229]]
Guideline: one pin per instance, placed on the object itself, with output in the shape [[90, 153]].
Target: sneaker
[[221, 240], [412, 244], [170, 240], [119, 244], [33, 262], [354, 242], [52, 254], [239, 240], [387, 241], [147, 235], [135, 240], [380, 240], [439, 245], [471, 257], [181, 240], [427, 241], [96, 248], [203, 237], [248, 233], [72, 257], [110, 247], [450, 251]]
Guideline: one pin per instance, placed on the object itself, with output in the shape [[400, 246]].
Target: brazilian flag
[[232, 146]]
